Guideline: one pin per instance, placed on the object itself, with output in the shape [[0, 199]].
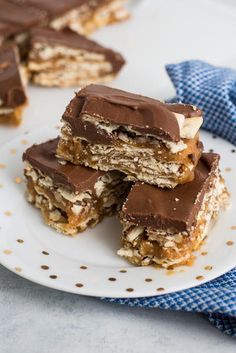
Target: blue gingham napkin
[[213, 89]]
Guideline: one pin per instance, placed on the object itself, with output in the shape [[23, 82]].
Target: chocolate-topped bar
[[106, 128], [68, 59], [164, 226], [81, 16], [71, 198], [12, 91]]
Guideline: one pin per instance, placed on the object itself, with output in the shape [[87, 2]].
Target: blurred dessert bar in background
[[68, 59], [13, 98], [71, 198], [85, 16], [58, 54], [81, 16], [164, 226], [148, 140]]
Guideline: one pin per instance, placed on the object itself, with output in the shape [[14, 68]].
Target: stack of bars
[[48, 38], [136, 156]]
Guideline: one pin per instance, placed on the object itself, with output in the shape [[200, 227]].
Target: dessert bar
[[71, 198], [106, 129], [68, 59], [164, 226], [13, 98], [82, 16]]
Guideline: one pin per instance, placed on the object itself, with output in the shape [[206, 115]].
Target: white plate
[[89, 260]]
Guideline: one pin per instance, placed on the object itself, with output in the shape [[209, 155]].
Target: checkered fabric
[[213, 89], [216, 299]]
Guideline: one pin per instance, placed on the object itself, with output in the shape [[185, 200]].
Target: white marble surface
[[35, 319]]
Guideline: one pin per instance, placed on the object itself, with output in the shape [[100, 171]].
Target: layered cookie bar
[[82, 16], [71, 198], [106, 129], [163, 226], [13, 98], [68, 59]]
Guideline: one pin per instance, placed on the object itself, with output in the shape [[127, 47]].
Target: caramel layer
[[13, 118], [79, 152]]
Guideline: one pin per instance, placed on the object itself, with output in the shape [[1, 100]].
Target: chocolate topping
[[58, 8], [150, 206], [187, 110], [73, 40], [143, 114], [7, 30], [75, 178], [12, 93], [24, 17], [53, 8]]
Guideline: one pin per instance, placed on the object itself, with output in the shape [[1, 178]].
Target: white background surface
[[36, 319]]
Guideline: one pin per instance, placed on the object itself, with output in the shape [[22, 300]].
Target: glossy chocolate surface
[[75, 178], [145, 115]]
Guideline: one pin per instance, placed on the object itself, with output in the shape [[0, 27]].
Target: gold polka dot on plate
[[129, 289], [24, 142], [228, 169], [7, 251], [204, 253], [18, 180], [112, 279], [148, 280], [45, 252], [21, 241], [123, 271], [83, 267], [45, 267], [170, 272], [233, 227], [1, 186], [18, 269], [13, 151], [160, 289], [229, 242], [2, 165], [53, 276], [208, 268], [199, 278], [7, 213], [79, 285]]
